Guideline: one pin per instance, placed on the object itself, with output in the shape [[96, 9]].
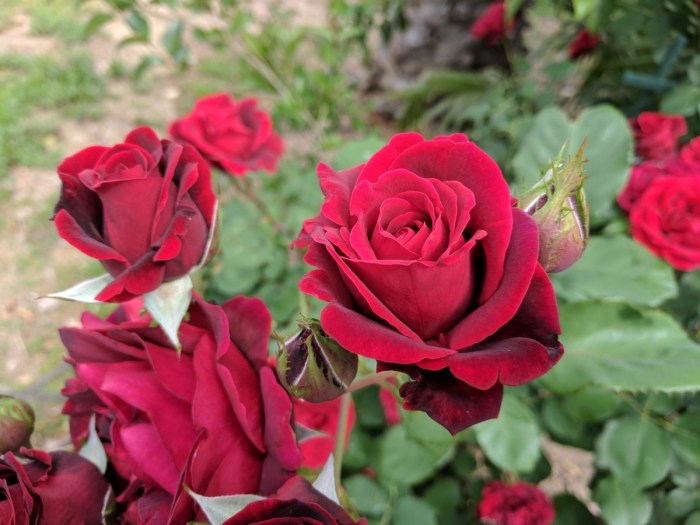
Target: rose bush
[[60, 488], [214, 417], [296, 503], [656, 135], [514, 504], [235, 137], [430, 270], [666, 220], [144, 208]]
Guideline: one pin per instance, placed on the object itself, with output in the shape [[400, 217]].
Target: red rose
[[644, 174], [583, 43], [516, 504], [491, 26], [691, 151], [144, 208], [60, 488], [666, 220], [390, 405], [233, 137], [322, 419], [431, 270], [656, 135], [214, 417], [296, 503]]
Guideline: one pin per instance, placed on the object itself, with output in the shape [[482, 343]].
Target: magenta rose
[[144, 208], [666, 219], [431, 270], [656, 135], [320, 421], [214, 417], [296, 503], [583, 43], [57, 488], [235, 137], [491, 26], [515, 504], [644, 174]]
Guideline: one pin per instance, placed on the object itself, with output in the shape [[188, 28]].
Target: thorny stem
[[339, 449]]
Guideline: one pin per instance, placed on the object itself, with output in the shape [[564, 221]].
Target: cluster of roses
[[494, 25], [428, 266], [662, 195]]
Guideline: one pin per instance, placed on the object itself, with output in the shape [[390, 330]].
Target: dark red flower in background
[[514, 504], [235, 137], [57, 488], [430, 270], [214, 418], [144, 208], [491, 26], [656, 135], [583, 43], [643, 174]]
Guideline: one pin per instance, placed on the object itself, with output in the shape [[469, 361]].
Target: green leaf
[[686, 437], [559, 422], [511, 442], [620, 504], [444, 494], [623, 349], [218, 509], [93, 25], [410, 509], [85, 291], [584, 8], [693, 519], [636, 451], [139, 25], [168, 305], [591, 404], [396, 446], [570, 511], [512, 7], [681, 501], [619, 269], [608, 150], [366, 495], [357, 152], [683, 100]]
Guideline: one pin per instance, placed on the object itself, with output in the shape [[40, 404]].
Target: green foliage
[[621, 504]]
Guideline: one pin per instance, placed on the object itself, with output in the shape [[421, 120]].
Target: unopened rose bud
[[313, 366], [16, 423], [558, 205]]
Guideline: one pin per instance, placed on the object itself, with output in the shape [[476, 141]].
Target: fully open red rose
[[296, 503], [235, 137], [320, 420], [583, 43], [666, 219], [515, 504], [60, 488], [145, 208], [491, 26], [644, 174], [656, 135], [431, 270], [214, 417]]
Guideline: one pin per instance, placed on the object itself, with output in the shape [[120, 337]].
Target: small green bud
[[558, 204], [314, 367], [16, 424]]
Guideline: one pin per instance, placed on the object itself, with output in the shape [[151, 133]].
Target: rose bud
[[558, 205], [16, 423], [313, 366]]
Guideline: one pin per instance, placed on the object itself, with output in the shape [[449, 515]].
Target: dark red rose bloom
[[214, 418], [691, 151], [322, 420], [515, 504], [144, 208], [642, 175], [583, 43], [57, 488], [656, 135], [666, 220], [296, 503], [430, 270], [235, 137], [491, 26]]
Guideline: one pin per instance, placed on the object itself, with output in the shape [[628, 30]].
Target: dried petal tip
[[558, 205], [314, 367], [16, 424]]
